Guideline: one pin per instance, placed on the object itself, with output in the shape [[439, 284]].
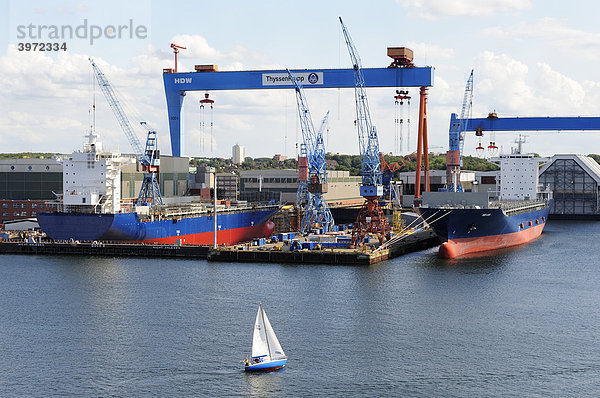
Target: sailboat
[[267, 353]]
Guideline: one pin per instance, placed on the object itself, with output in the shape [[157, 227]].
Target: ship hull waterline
[[465, 231], [266, 366], [232, 227]]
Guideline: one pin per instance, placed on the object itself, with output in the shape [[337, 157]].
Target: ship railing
[[510, 207], [190, 210], [493, 196]]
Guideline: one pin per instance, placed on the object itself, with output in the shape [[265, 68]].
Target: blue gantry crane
[[493, 123], [370, 217], [457, 141], [148, 157], [178, 84], [316, 211], [207, 77]]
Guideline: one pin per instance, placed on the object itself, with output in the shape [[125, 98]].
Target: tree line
[[349, 163]]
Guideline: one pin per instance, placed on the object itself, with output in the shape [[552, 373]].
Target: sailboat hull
[[266, 366]]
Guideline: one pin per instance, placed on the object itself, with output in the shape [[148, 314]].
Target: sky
[[530, 58]]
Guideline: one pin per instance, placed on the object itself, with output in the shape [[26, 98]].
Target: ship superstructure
[[91, 208], [92, 178]]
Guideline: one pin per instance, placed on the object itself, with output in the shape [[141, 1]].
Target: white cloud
[[552, 31], [198, 48], [513, 88], [430, 54], [434, 9], [510, 86], [46, 99]]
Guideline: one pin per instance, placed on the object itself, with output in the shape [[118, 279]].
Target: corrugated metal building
[[575, 183]]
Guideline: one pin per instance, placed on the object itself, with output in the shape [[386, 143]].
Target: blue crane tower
[[370, 217], [302, 192], [148, 157], [457, 141], [150, 191], [316, 211]]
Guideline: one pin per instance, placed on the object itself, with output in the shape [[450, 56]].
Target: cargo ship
[[90, 209], [513, 214], [191, 224]]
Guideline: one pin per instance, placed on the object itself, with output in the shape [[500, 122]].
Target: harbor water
[[516, 322]]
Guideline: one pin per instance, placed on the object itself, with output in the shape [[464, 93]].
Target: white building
[[238, 154]]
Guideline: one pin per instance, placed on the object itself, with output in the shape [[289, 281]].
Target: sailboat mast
[[262, 313]]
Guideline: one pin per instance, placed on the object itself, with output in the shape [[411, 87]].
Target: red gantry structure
[[176, 49]]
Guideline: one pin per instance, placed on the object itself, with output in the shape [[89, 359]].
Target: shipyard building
[[281, 185], [575, 183]]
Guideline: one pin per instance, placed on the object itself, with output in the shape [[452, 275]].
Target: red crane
[[176, 49]]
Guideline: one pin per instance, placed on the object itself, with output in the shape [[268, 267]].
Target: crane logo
[[283, 79], [182, 80]]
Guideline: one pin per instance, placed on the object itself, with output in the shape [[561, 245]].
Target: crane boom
[[367, 133], [149, 157], [114, 104], [457, 140], [371, 218], [316, 210], [313, 139], [465, 112]]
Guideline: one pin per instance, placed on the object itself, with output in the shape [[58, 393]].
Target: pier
[[340, 256], [104, 249], [269, 253]]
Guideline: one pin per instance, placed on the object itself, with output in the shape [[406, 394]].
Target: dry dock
[[104, 249], [418, 241], [261, 254]]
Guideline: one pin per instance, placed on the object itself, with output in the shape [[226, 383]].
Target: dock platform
[[104, 249], [261, 254], [418, 241]]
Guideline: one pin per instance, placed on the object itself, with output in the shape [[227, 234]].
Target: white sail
[[259, 338], [275, 350]]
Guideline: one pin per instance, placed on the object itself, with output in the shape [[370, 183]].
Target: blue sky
[[531, 58]]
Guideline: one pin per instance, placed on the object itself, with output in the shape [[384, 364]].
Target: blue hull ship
[[232, 227], [470, 230]]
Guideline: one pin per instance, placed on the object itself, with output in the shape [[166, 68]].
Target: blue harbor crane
[[316, 211], [302, 192], [148, 158], [371, 218], [150, 191], [454, 155]]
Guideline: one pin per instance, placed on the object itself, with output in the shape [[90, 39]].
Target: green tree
[[595, 157]]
